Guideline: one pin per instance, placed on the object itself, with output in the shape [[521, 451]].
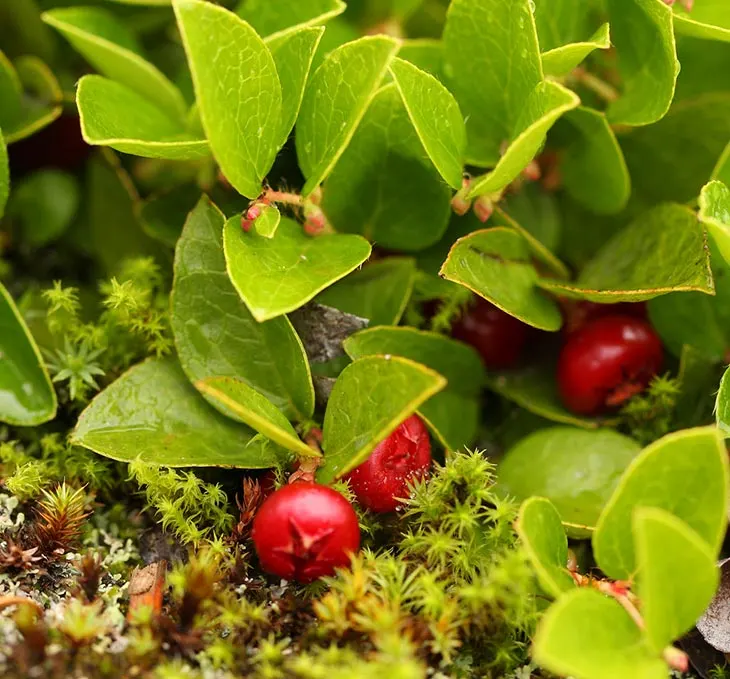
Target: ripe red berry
[[497, 336], [380, 481], [304, 531], [606, 362]]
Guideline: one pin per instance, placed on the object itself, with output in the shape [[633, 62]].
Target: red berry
[[380, 481], [606, 362], [304, 531], [497, 336]]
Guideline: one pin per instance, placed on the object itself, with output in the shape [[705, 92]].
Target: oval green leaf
[[109, 46], [577, 470], [383, 187], [277, 275], [684, 473], [152, 413], [237, 90], [677, 577], [453, 413], [267, 222], [335, 102], [546, 103], [435, 116], [592, 165], [4, 174], [722, 405], [495, 264], [113, 115], [234, 398], [486, 43], [379, 291], [215, 334], [543, 537], [643, 35], [278, 18], [663, 250], [714, 213], [587, 635], [394, 388], [27, 397], [293, 54], [708, 19], [560, 61]]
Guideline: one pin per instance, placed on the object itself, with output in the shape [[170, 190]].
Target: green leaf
[[237, 90], [722, 405], [153, 414], [215, 334], [113, 115], [495, 264], [11, 93], [44, 204], [708, 19], [642, 33], [539, 250], [40, 98], [383, 187], [293, 54], [547, 102], [684, 473], [276, 18], [696, 319], [379, 291], [715, 215], [393, 389], [586, 635], [426, 53], [534, 388], [677, 575], [492, 64], [561, 22], [162, 216], [577, 470], [698, 378], [4, 174], [543, 537], [453, 413], [277, 275], [673, 159], [435, 116], [115, 233], [27, 397], [560, 61], [335, 102], [663, 250], [592, 165], [267, 222], [235, 398], [109, 46]]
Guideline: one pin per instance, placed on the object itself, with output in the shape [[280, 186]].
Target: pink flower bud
[[483, 208], [460, 205], [532, 172]]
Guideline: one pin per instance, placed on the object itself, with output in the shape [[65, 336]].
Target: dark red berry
[[381, 481], [606, 362], [304, 531], [497, 336]]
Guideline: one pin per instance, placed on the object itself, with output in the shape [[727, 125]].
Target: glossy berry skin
[[606, 362], [498, 337], [304, 531], [383, 478]]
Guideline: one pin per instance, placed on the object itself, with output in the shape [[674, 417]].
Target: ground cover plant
[[384, 338]]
